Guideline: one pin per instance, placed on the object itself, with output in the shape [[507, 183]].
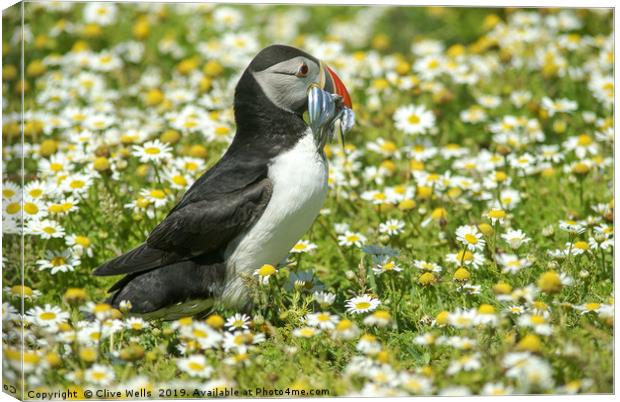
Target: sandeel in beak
[[329, 102]]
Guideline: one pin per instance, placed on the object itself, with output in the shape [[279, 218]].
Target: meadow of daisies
[[465, 248]]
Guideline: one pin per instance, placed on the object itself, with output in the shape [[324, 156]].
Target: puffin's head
[[285, 74]]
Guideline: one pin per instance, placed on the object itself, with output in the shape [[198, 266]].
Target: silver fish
[[324, 111]]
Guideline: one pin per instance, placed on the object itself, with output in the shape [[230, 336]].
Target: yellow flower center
[[389, 266], [471, 239], [362, 305], [382, 315], [47, 315], [31, 208], [195, 366], [179, 180], [49, 230], [57, 261], [344, 325], [159, 194], [584, 140], [389, 146], [77, 184], [12, 208], [222, 131], [414, 119], [198, 333], [379, 196], [82, 241], [152, 150], [323, 317], [8, 193], [306, 332], [582, 245], [266, 270]]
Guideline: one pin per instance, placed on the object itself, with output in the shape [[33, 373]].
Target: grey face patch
[[285, 89]]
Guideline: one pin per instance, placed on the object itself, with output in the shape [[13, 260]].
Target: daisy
[[415, 384], [539, 322], [509, 198], [466, 258], [470, 237], [241, 341], [177, 180], [152, 151], [102, 311], [351, 239], [414, 119], [55, 261], [582, 145], [195, 366], [99, 374], [520, 98], [48, 316], [345, 329], [100, 13], [496, 389], [237, 322], [136, 323], [325, 299], [465, 363], [265, 272], [427, 266], [322, 320], [559, 106], [462, 318], [190, 165], [384, 147], [202, 333], [368, 344], [425, 339], [47, 229], [486, 315], [140, 206], [10, 190], [380, 318], [392, 227], [305, 332], [303, 246], [80, 244], [375, 196], [430, 66], [386, 266], [156, 197], [515, 238], [362, 304], [76, 184], [489, 101], [474, 114], [496, 215], [571, 227], [511, 263]]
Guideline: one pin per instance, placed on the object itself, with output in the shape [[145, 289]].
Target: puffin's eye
[[302, 71]]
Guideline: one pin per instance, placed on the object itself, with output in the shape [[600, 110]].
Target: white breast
[[299, 179]]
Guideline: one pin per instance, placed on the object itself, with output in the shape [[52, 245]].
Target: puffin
[[252, 205]]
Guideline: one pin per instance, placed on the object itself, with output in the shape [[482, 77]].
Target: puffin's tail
[[172, 291]]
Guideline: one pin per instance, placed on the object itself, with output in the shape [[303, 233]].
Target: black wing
[[220, 205]]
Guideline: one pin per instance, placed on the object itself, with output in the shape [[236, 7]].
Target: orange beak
[[332, 83]]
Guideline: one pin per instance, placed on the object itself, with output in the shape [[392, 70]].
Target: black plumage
[[183, 257]]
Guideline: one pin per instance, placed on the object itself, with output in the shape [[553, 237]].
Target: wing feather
[[200, 226]]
